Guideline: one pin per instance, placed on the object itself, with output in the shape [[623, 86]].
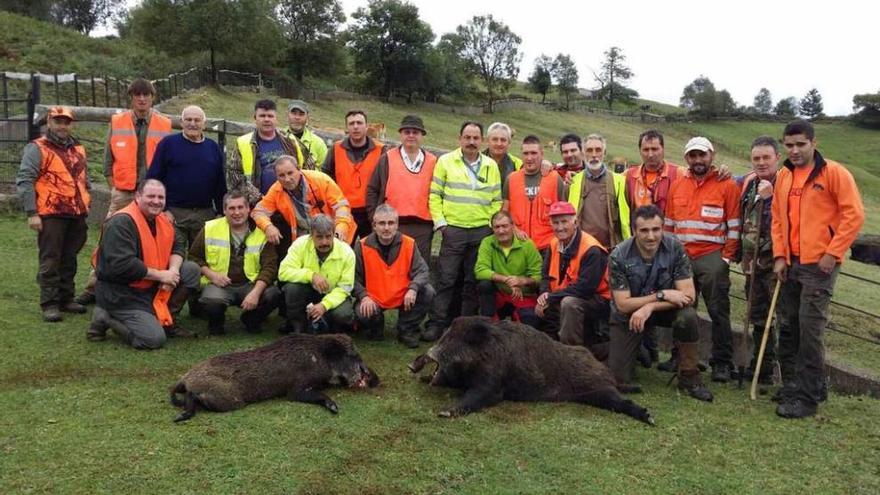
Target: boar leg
[[311, 396], [419, 363], [190, 404], [611, 400], [473, 400]]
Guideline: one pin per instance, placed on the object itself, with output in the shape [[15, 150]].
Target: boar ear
[[477, 333], [334, 349]]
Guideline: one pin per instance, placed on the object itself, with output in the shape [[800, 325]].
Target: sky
[[787, 47]]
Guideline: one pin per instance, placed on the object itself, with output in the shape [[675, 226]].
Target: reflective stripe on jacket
[[124, 146], [458, 198], [218, 249], [704, 215], [620, 224]]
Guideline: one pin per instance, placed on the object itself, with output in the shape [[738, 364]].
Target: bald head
[[192, 119]]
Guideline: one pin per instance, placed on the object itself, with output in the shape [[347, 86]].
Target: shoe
[[175, 331], [410, 340], [52, 314], [73, 307], [699, 392], [721, 373], [430, 334], [85, 298], [644, 357], [783, 394], [98, 327], [669, 366], [796, 409]]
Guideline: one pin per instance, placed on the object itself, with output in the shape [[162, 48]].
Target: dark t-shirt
[[267, 153]]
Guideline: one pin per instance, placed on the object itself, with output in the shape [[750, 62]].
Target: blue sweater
[[193, 173]]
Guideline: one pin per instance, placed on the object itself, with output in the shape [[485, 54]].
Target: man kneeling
[[391, 274], [319, 275], [238, 266], [652, 284]]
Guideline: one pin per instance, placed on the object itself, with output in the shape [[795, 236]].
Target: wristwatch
[[660, 295]]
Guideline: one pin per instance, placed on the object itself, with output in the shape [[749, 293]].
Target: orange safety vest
[[61, 188], [155, 253], [354, 177], [387, 284], [640, 194], [124, 146], [408, 192], [571, 274], [532, 216]]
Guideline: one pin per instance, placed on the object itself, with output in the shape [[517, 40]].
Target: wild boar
[[494, 361], [297, 366]]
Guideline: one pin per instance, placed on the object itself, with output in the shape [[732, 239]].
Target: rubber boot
[[689, 380]]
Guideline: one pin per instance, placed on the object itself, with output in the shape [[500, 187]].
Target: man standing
[[351, 164], [755, 205], [649, 183], [571, 148], [499, 136], [250, 164], [600, 198], [574, 286], [238, 267], [528, 195], [191, 167], [53, 184], [703, 213], [142, 278], [131, 143], [402, 180], [508, 271], [390, 274], [817, 214], [319, 275], [465, 193], [297, 119], [652, 284]]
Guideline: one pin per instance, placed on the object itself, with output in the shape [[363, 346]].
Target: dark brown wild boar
[[495, 361], [297, 366]]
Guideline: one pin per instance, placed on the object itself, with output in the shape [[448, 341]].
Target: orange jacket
[[408, 192], [124, 146], [704, 216], [831, 212], [532, 216], [62, 186], [639, 193], [322, 195], [574, 267]]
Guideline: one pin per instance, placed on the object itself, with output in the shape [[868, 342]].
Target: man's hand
[[520, 234], [409, 300], [169, 215], [35, 223], [765, 189], [723, 172], [341, 233], [542, 304], [219, 279], [640, 317], [780, 269], [320, 284], [168, 277], [316, 311], [677, 297], [368, 307], [516, 293], [827, 263], [546, 167], [250, 301], [273, 235]]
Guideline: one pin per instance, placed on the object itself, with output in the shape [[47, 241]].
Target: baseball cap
[[698, 143], [298, 105], [562, 208], [59, 111]]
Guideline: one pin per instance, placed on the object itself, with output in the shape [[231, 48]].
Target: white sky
[[741, 45]]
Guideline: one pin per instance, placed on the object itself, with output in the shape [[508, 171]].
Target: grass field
[[83, 417]]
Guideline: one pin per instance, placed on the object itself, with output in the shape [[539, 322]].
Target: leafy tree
[[786, 107], [867, 107], [763, 102], [81, 15], [614, 75], [621, 94], [702, 99], [541, 79], [566, 75], [493, 52], [811, 104], [311, 29], [390, 44], [244, 31], [448, 74]]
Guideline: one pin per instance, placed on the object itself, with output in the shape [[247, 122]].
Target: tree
[[867, 107], [811, 104], [703, 100], [220, 27], [390, 44], [448, 74], [541, 79], [786, 107], [566, 75], [614, 75], [763, 102], [311, 28], [81, 15], [493, 52]]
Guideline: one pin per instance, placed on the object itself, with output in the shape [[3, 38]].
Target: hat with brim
[[699, 143], [298, 105], [60, 112], [412, 122]]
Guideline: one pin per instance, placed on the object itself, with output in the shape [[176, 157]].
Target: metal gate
[[18, 100]]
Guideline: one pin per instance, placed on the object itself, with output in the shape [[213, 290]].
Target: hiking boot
[[175, 331], [672, 364], [699, 392], [100, 324], [721, 373], [689, 380], [796, 409], [85, 298], [432, 333], [409, 339], [52, 314], [784, 393], [73, 307]]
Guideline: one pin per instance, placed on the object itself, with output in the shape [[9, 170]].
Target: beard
[[595, 166]]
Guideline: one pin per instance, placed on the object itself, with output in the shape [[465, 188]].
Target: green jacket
[[459, 200], [523, 260], [313, 143], [302, 262], [621, 223]]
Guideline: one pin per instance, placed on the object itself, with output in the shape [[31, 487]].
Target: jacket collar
[[818, 161], [373, 241], [346, 143]]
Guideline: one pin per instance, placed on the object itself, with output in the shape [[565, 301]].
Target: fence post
[[76, 90], [5, 95], [118, 94], [94, 99], [33, 100], [57, 91], [106, 91], [221, 136]]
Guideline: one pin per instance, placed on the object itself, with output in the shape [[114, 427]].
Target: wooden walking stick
[[750, 297], [753, 395]]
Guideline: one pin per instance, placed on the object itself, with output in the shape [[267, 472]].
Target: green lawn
[[83, 417]]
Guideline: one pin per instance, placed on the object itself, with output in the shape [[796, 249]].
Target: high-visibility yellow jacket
[[302, 262], [621, 206], [315, 145], [218, 250], [247, 149], [460, 199]]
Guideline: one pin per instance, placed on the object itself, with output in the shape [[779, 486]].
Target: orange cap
[[60, 111]]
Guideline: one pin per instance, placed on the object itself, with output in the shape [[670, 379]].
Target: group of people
[[334, 237]]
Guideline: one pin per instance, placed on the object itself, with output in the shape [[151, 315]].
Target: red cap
[[60, 112], [562, 208]]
